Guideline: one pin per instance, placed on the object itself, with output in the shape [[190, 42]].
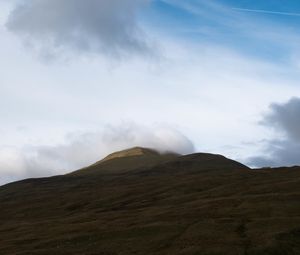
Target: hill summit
[[127, 160], [136, 151]]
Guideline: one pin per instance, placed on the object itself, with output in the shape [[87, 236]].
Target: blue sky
[[189, 76]]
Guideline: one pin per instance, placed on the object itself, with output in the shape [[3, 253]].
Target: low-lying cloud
[[82, 149], [284, 150], [93, 26]]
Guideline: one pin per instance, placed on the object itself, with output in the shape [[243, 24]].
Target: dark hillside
[[196, 204]]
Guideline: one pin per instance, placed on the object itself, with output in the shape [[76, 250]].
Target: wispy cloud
[[267, 12], [222, 24]]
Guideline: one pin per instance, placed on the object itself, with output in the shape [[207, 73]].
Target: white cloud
[[83, 149], [11, 162]]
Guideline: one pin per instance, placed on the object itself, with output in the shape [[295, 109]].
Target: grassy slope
[[196, 204]]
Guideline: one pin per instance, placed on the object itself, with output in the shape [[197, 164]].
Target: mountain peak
[[127, 160], [135, 151]]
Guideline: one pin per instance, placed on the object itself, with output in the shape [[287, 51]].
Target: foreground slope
[[147, 203]]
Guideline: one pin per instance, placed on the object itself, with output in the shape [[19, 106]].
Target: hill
[[139, 201]]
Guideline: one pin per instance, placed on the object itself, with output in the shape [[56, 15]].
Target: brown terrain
[[141, 202]]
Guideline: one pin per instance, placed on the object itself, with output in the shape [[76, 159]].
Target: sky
[[82, 79]]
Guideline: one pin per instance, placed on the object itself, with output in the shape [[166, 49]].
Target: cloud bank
[[82, 149], [284, 150], [93, 26]]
